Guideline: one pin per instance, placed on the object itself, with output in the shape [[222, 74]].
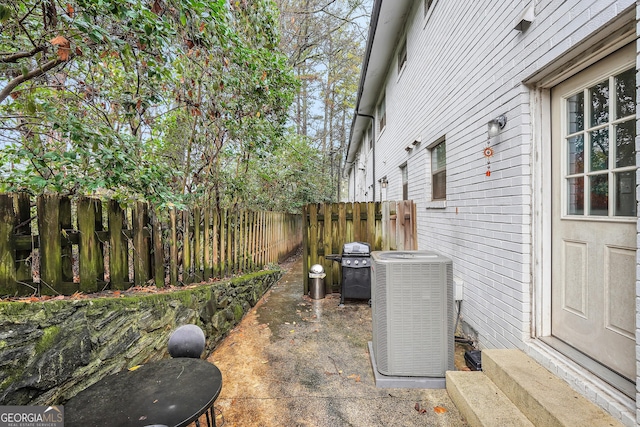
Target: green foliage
[[325, 42], [287, 178], [162, 99], [173, 100]]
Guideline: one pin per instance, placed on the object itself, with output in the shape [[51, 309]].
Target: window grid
[[600, 165], [439, 171], [405, 182], [382, 115], [402, 56]]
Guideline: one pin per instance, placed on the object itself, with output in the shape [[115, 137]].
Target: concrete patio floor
[[293, 361]]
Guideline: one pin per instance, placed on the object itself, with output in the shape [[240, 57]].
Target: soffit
[[387, 23]]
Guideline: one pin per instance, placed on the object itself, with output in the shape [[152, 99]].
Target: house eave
[[387, 23]]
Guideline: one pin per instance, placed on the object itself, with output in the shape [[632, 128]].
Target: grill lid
[[356, 249]]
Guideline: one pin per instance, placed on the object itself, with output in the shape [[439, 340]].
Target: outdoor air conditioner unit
[[413, 313]]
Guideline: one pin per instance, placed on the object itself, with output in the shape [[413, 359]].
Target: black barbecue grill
[[356, 271]]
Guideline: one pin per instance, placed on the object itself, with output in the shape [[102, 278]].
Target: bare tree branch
[[8, 58], [6, 91]]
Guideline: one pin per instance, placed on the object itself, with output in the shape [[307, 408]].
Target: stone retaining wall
[[49, 351]]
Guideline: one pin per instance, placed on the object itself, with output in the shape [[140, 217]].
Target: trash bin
[[316, 281]]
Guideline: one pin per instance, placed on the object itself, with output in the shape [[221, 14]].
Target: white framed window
[[427, 6], [402, 55], [438, 151], [405, 181], [382, 114], [599, 139]]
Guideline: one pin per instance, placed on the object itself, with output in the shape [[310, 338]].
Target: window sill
[[436, 204]]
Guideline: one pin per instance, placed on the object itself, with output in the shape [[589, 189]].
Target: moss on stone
[[249, 278], [151, 315], [12, 376], [47, 339], [12, 308], [238, 312]]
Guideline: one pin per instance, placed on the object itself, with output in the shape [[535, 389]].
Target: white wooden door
[[594, 211]]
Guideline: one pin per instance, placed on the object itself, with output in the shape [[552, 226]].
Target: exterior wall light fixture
[[526, 18], [383, 182], [496, 125]]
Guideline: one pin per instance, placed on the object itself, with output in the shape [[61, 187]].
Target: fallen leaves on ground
[[436, 409], [354, 377]]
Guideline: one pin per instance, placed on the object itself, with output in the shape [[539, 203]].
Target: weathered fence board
[[7, 252], [173, 247], [71, 247], [67, 249], [23, 257], [90, 253], [141, 245], [50, 248], [327, 227], [158, 251], [206, 251], [118, 263], [197, 246]]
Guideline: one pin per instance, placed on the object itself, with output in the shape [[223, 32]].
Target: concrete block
[[541, 396], [481, 402]]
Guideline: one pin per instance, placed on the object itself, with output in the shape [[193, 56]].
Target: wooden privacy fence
[[54, 245], [387, 225]]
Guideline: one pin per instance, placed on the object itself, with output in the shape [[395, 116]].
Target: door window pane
[[576, 196], [601, 132], [575, 145], [599, 189], [599, 95], [575, 112], [625, 144], [626, 93], [599, 149], [625, 194]]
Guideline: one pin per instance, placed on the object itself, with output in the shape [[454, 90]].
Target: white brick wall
[[638, 198], [464, 67], [363, 167]]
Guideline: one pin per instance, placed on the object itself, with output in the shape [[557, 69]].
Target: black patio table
[[171, 392]]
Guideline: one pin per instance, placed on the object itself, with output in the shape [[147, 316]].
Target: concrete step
[[543, 398], [514, 390], [481, 402]]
